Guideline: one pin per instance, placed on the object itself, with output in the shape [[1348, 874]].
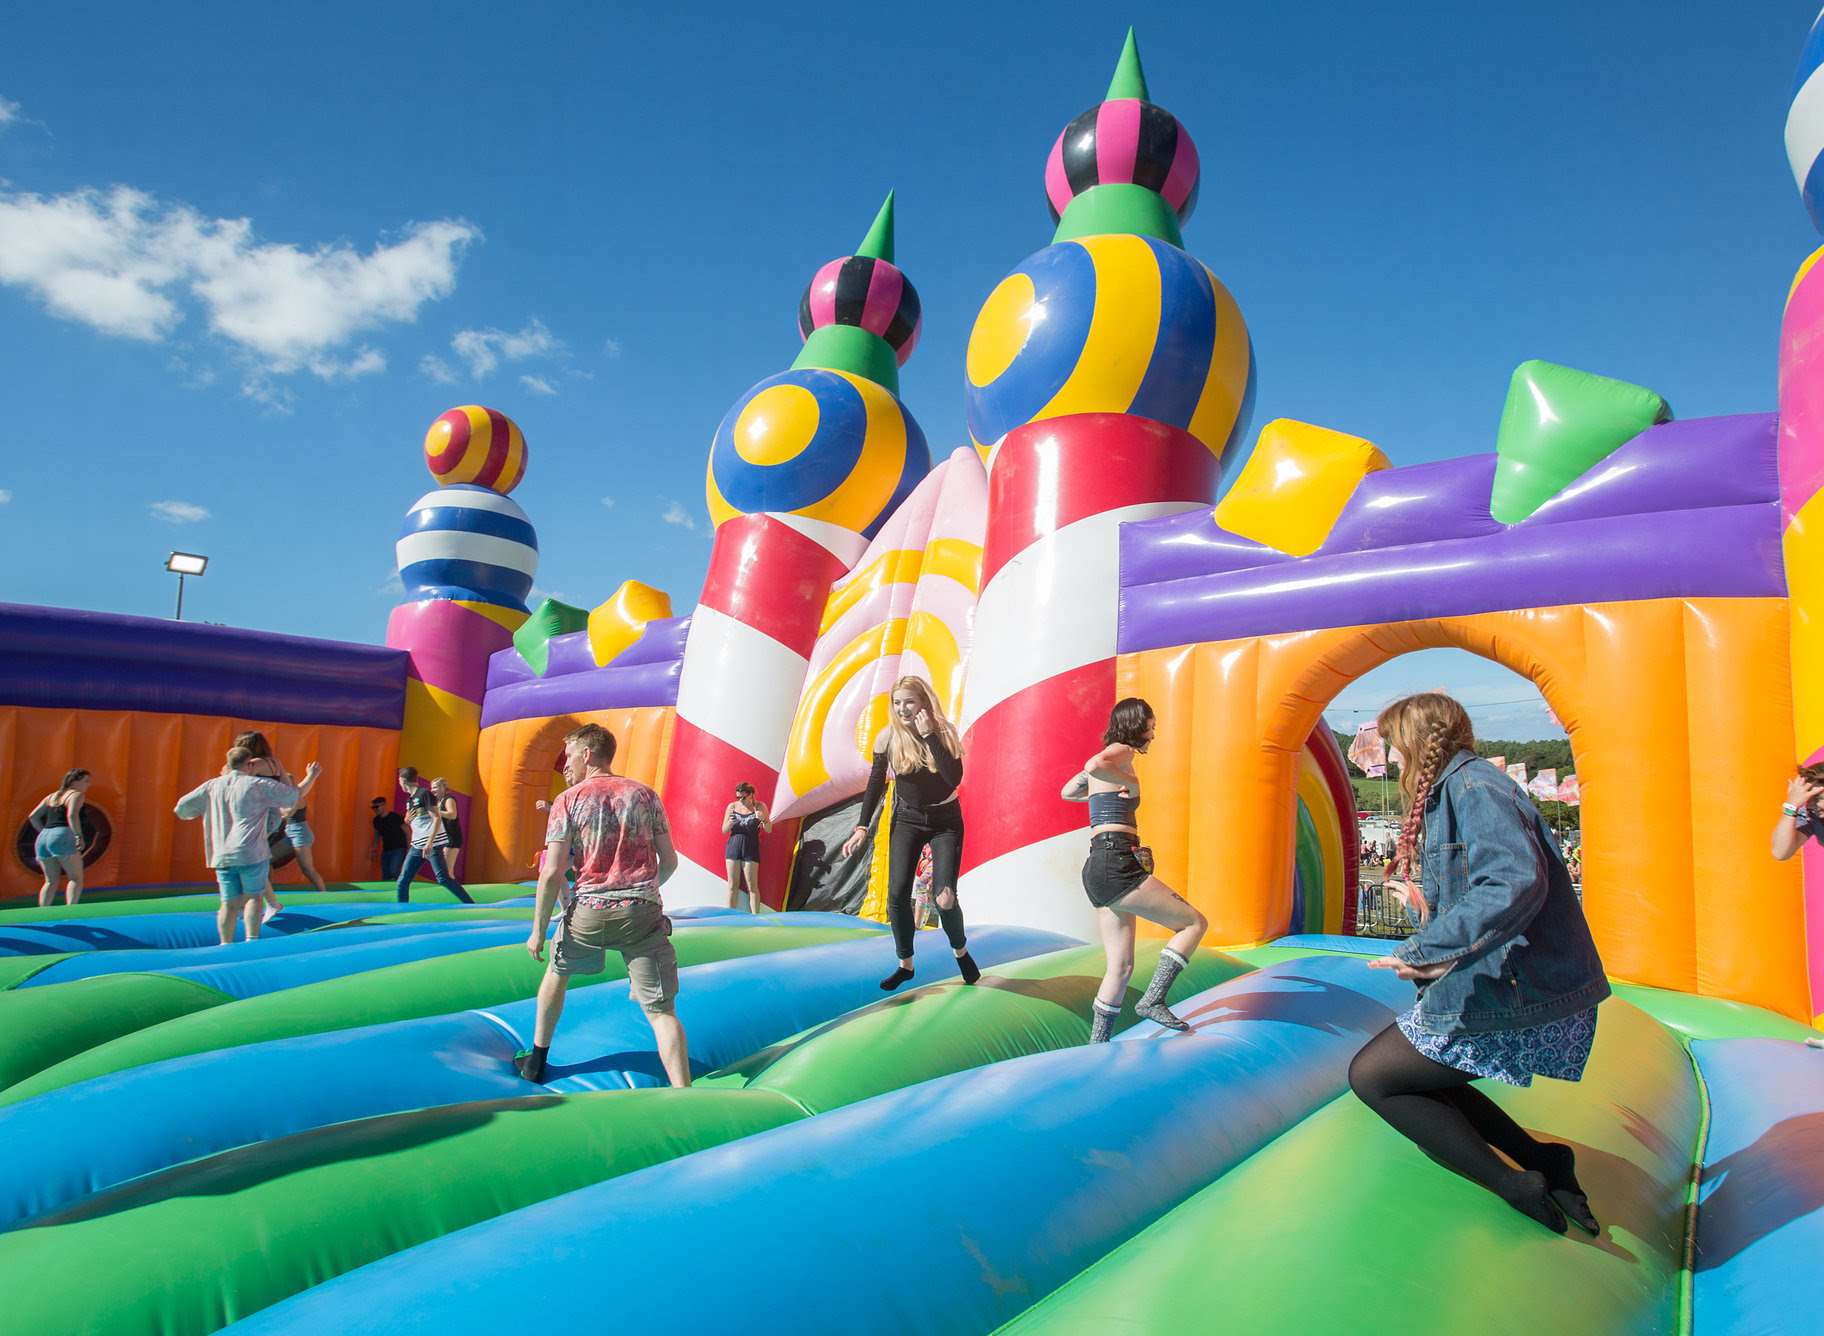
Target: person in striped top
[[429, 839]]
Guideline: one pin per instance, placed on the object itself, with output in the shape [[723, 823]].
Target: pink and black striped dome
[[1124, 141], [870, 294]]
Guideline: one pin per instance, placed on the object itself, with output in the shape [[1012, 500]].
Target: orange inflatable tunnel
[[150, 708]]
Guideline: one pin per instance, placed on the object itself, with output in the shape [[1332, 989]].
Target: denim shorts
[[250, 879], [299, 834], [1112, 869], [57, 842]]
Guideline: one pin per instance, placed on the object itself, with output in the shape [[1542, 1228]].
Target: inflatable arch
[[1640, 587]]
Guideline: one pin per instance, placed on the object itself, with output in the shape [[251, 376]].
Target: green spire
[[1130, 79], [1121, 207], [846, 347], [878, 244]]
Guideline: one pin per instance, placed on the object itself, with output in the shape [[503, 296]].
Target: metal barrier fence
[[1379, 913]]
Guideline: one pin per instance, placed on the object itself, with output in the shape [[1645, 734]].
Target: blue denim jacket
[[1502, 911]]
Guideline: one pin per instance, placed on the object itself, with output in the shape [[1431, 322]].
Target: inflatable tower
[[1802, 463], [803, 470], [467, 555], [1106, 377]]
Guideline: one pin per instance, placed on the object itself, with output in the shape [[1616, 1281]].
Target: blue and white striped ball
[[1805, 125], [468, 542]]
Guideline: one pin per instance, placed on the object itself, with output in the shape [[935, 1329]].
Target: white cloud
[[435, 368], [6, 496], [611, 348], [128, 264], [486, 349], [269, 394], [178, 512], [364, 363], [391, 587], [538, 384], [9, 112], [608, 502], [676, 514]]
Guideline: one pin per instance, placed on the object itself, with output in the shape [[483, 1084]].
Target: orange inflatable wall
[[1679, 713], [143, 763], [516, 764]]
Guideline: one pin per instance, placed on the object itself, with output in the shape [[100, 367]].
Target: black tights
[[942, 829], [1437, 1109]]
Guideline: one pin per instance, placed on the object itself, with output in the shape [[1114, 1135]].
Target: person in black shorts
[[926, 755], [452, 818], [1118, 876], [742, 821]]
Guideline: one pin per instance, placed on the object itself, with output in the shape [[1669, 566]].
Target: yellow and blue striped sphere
[[1110, 324], [827, 445]]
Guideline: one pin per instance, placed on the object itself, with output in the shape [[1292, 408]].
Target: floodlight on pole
[[181, 564]]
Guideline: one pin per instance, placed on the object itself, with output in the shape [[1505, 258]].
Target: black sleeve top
[[917, 791]]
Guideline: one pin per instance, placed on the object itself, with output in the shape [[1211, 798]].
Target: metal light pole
[[181, 564]]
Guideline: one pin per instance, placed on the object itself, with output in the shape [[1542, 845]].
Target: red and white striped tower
[[804, 469], [744, 664], [1107, 375]]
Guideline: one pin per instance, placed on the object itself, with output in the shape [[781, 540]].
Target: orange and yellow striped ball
[[1109, 324], [476, 445]]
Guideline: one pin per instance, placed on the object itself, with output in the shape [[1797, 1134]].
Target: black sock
[[896, 978], [971, 971], [531, 1065]]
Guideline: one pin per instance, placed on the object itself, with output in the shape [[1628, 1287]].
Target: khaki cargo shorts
[[638, 931]]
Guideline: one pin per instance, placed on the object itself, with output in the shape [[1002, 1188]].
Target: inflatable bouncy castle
[[324, 1130]]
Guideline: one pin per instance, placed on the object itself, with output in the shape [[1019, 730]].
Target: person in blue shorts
[[238, 809], [58, 843]]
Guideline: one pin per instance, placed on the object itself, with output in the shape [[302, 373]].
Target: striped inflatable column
[[1042, 671], [744, 668], [1802, 468], [466, 557], [1106, 377]]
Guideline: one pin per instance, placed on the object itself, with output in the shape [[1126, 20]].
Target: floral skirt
[[1558, 1049]]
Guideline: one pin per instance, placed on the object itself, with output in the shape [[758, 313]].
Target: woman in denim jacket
[[1508, 975]]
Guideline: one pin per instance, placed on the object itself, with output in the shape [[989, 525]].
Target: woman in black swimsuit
[[1118, 878], [58, 844], [742, 822], [926, 756]]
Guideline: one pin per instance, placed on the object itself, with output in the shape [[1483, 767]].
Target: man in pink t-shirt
[[615, 830]]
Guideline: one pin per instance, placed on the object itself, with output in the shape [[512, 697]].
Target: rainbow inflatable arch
[[323, 1130]]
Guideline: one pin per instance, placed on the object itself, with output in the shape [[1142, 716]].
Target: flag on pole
[[1544, 786], [1517, 773], [1570, 791], [1368, 751], [1499, 762]]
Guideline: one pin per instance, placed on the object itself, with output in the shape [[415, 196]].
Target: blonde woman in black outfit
[[925, 753]]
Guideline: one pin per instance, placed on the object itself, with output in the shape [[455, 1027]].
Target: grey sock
[[1104, 1023], [1152, 1003]]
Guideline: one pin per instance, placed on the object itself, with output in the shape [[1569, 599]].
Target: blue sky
[[246, 256]]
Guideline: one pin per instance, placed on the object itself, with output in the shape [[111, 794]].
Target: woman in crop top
[[926, 756], [58, 845], [302, 837], [1118, 877], [743, 820]]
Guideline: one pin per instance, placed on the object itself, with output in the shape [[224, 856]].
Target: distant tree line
[[1539, 754]]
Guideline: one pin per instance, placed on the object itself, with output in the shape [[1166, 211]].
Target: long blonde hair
[[1428, 729], [906, 751]]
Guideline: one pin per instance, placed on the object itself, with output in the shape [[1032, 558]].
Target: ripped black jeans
[[941, 827]]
